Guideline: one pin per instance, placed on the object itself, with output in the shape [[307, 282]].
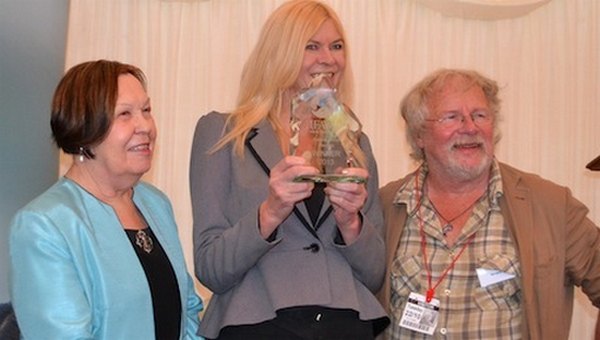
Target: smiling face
[[462, 152], [127, 150], [324, 54]]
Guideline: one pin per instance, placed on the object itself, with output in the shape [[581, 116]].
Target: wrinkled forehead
[[455, 91]]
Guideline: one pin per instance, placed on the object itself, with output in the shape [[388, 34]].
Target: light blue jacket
[[75, 275]]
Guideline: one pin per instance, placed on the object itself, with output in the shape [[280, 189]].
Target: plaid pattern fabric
[[467, 311]]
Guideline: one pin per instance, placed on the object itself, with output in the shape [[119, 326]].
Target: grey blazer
[[250, 277]]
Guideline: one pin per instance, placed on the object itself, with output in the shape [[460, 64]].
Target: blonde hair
[[274, 65]]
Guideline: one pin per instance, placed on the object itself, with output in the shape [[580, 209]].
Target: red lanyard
[[430, 289]]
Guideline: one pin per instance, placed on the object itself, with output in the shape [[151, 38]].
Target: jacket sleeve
[[47, 293], [192, 312], [582, 249], [367, 254], [226, 245]]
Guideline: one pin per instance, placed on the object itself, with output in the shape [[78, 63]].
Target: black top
[[315, 202], [163, 286]]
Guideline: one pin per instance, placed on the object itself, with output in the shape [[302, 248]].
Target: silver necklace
[[144, 241]]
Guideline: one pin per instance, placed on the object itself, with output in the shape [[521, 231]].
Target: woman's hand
[[347, 199], [284, 193]]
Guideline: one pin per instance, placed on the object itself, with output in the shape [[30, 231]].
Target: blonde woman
[[284, 259]]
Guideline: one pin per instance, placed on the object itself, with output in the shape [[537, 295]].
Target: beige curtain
[[543, 53], [484, 9]]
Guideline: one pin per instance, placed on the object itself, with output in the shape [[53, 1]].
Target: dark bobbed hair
[[84, 103]]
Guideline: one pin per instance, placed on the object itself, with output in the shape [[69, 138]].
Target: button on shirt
[[467, 310]]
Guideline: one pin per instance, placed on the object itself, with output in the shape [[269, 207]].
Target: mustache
[[462, 141]]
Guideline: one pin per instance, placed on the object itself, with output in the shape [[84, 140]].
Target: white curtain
[[546, 58]]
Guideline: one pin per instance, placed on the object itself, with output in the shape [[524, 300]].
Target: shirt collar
[[407, 194]]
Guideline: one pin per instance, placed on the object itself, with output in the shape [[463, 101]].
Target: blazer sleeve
[[582, 248], [192, 312], [366, 255], [225, 246], [47, 294]]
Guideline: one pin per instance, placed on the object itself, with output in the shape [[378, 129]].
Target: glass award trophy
[[325, 132]]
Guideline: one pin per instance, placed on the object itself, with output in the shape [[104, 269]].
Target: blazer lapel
[[518, 215], [264, 147]]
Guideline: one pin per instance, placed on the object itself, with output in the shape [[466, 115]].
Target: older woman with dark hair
[[97, 255]]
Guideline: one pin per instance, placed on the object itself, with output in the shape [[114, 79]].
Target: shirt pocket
[[405, 275], [505, 295]]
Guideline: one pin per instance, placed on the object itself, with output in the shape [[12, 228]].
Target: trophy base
[[325, 178]]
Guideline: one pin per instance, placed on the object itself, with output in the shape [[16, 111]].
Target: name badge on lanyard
[[419, 315]]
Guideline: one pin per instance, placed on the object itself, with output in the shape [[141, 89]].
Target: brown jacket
[[558, 246]]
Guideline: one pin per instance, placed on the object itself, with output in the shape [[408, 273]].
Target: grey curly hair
[[414, 106]]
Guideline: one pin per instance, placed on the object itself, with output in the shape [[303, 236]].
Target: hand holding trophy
[[325, 132]]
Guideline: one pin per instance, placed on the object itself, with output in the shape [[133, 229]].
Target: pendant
[[446, 229], [144, 241]]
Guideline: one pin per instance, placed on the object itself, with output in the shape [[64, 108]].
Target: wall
[[32, 57]]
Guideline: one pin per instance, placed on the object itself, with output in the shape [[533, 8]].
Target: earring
[[81, 154]]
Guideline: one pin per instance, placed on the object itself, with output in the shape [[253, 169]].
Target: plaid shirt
[[467, 310]]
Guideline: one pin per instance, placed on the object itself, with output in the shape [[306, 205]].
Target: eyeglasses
[[452, 119]]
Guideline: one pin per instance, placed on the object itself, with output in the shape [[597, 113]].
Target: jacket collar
[[517, 211], [264, 147], [264, 142]]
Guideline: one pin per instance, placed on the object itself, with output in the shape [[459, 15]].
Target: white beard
[[464, 173]]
